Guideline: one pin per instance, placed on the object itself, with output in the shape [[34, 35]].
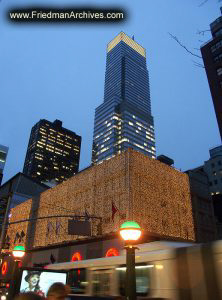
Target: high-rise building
[[3, 156], [212, 57], [53, 152], [213, 169], [124, 119]]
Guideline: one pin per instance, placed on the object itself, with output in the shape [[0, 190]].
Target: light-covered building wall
[[130, 186]]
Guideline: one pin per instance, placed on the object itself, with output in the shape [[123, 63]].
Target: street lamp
[[18, 253], [130, 231]]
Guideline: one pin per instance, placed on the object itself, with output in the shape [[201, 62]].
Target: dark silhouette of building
[[202, 206], [124, 119], [217, 203], [212, 57], [53, 152], [165, 159]]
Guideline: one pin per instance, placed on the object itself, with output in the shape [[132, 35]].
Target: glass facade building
[[124, 119]]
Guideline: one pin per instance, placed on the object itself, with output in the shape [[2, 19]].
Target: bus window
[[143, 275], [77, 281], [101, 283]]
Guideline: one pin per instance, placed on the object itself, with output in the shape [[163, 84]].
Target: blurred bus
[[164, 270]]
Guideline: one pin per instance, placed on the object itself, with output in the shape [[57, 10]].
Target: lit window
[[139, 146]]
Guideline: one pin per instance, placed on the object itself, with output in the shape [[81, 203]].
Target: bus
[[164, 270]]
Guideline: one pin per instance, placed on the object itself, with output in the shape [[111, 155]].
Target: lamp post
[[130, 231], [18, 253]]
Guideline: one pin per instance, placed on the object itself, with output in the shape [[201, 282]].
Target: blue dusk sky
[[57, 71]]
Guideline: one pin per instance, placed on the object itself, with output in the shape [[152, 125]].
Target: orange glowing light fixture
[[5, 268], [76, 256], [18, 251], [130, 231], [112, 252]]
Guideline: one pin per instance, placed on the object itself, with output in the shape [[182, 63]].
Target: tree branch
[[201, 4], [202, 32], [183, 46], [196, 64]]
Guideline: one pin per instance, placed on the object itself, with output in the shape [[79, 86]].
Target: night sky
[[57, 71]]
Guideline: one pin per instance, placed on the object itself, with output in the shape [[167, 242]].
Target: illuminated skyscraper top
[[124, 119]]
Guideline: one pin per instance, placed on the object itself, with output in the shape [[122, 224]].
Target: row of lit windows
[[42, 130], [47, 145], [58, 141], [119, 137], [141, 124]]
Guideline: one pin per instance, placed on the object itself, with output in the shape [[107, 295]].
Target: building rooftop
[[129, 41]]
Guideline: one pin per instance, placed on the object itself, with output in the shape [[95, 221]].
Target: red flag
[[114, 210]]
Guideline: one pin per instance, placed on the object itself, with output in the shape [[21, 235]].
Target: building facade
[[213, 169], [212, 57], [3, 156], [15, 191], [130, 186], [124, 119], [53, 152], [202, 205]]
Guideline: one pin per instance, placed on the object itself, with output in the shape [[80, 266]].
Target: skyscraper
[[53, 152], [212, 57], [124, 119], [3, 156]]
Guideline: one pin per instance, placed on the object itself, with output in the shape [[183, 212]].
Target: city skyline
[[57, 72]]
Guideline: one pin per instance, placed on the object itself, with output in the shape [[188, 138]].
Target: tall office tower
[[53, 152], [124, 119], [212, 57], [3, 156]]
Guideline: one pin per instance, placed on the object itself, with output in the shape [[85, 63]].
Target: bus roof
[[146, 252]]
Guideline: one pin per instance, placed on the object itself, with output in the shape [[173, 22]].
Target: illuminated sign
[[112, 252]]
